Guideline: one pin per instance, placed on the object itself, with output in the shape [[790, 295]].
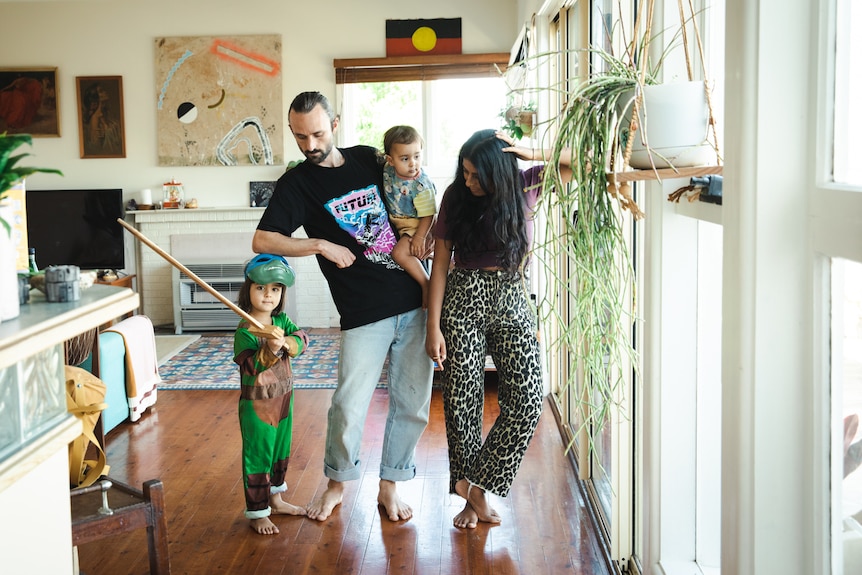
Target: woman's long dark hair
[[501, 210]]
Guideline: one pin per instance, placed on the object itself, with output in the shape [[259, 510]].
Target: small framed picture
[[259, 193], [28, 102], [101, 131]]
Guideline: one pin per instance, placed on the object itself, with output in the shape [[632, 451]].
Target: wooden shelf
[[663, 174]]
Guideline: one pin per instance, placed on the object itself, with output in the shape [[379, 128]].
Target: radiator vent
[[208, 272], [218, 260], [196, 308]]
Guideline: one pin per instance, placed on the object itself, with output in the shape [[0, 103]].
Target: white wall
[[115, 37]]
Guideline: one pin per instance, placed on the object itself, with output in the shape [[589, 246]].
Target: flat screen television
[[76, 227]]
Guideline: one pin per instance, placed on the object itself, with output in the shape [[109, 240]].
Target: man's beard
[[318, 156]]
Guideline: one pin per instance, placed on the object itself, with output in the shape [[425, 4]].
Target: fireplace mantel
[[154, 274]]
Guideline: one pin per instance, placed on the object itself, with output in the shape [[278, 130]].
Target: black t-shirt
[[344, 205]]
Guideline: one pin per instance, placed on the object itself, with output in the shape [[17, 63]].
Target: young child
[[266, 397], [410, 199]]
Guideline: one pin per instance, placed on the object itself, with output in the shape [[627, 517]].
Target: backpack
[[85, 399]]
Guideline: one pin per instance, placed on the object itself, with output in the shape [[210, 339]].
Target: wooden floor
[[190, 440]]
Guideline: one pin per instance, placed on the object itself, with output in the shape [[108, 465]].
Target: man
[[335, 194]]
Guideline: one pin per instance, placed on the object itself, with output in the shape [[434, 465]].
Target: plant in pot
[[588, 304], [519, 120], [11, 173]]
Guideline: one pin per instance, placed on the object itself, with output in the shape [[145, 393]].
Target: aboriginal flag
[[418, 37]]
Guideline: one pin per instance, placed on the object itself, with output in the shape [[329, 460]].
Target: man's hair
[[400, 135], [306, 101]]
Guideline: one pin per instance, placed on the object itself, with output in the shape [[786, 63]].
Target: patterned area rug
[[208, 364]]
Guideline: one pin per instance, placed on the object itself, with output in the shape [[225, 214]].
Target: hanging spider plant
[[587, 308], [590, 281], [584, 257]]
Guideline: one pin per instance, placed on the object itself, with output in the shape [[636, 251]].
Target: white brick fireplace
[[314, 307]]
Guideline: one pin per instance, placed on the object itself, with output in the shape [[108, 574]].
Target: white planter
[[673, 128], [9, 307]]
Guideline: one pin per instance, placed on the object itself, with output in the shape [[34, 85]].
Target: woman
[[481, 306]]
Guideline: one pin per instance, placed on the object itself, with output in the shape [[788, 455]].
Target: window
[[847, 416], [445, 111], [446, 98], [848, 95]]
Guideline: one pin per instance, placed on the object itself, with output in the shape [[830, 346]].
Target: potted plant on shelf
[[11, 173], [589, 305]]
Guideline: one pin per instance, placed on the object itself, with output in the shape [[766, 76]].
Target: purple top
[[532, 178]]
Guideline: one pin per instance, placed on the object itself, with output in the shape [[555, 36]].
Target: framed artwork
[[101, 132], [218, 100], [28, 102], [259, 193]]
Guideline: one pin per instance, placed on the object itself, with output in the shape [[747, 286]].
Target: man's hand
[[339, 255]]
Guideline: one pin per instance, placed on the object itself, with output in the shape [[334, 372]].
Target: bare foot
[[467, 519], [395, 508], [475, 496], [264, 526], [322, 507], [281, 507]]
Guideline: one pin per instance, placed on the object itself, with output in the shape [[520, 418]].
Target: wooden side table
[[125, 281]]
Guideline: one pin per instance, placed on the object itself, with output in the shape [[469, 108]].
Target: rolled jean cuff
[[260, 514], [341, 476], [276, 489], [392, 474]]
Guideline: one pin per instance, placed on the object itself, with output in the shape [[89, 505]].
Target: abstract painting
[[218, 100]]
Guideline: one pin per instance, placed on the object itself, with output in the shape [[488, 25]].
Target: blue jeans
[[363, 352]]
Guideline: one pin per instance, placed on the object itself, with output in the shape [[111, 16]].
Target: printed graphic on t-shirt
[[361, 213]]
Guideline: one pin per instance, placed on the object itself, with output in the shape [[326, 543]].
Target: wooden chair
[[109, 507]]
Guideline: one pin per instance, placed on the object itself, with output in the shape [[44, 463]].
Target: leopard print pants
[[487, 312]]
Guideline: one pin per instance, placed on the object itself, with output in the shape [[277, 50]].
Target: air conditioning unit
[[197, 309], [219, 260]]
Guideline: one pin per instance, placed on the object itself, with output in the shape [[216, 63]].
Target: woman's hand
[[523, 153], [435, 346], [501, 135]]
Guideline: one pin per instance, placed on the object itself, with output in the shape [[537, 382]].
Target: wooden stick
[[260, 329]]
